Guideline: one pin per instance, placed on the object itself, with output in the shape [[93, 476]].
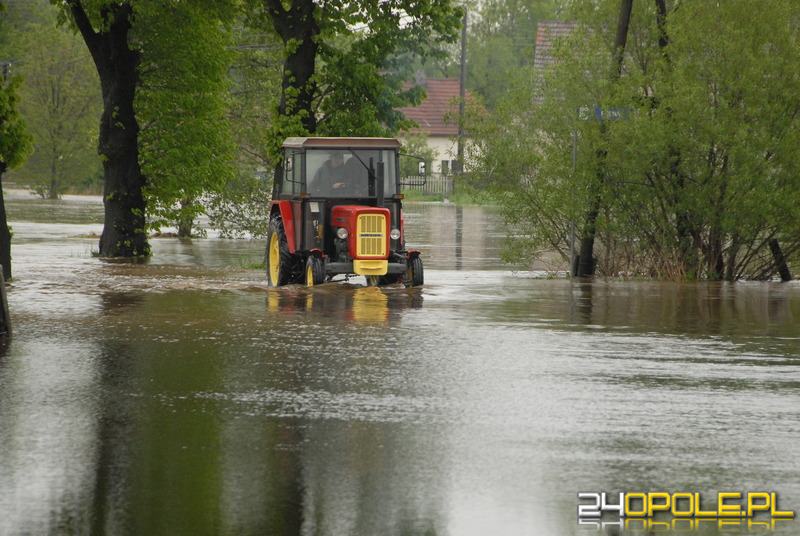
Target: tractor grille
[[371, 233]]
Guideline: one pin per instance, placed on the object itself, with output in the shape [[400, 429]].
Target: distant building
[[431, 115], [547, 33]]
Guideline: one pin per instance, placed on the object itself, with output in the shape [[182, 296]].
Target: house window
[[445, 166]]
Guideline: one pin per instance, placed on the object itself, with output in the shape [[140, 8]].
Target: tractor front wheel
[[414, 276], [315, 271], [280, 262]]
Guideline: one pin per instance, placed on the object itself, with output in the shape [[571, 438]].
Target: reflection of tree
[[109, 491], [181, 440], [362, 305], [582, 294], [157, 460]]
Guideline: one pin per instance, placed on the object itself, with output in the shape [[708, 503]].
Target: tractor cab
[[337, 209]]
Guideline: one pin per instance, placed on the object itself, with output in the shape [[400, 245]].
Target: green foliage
[[186, 148], [365, 52], [15, 142], [416, 146], [501, 40], [241, 209], [59, 99], [257, 66], [701, 171]]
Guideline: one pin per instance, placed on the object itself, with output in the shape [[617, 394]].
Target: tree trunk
[[124, 227], [185, 220], [586, 262], [661, 22], [52, 192], [5, 233], [733, 252], [298, 30], [716, 262], [621, 39], [780, 260]]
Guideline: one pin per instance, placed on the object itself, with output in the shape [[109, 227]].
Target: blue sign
[[609, 114]]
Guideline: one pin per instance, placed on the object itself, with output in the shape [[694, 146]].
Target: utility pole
[[462, 93]]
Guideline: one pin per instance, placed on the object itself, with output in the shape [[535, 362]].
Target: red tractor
[[337, 209]]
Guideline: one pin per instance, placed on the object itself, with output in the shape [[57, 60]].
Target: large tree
[[345, 62], [163, 140], [106, 28]]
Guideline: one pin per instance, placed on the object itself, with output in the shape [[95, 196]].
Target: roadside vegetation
[[684, 119]]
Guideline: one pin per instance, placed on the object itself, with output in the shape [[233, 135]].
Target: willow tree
[[164, 48], [698, 138]]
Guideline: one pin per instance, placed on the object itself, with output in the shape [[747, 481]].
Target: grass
[[248, 262]]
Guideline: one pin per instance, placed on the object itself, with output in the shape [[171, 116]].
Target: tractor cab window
[[292, 176], [344, 173]]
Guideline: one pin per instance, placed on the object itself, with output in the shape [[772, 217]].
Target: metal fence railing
[[433, 183]]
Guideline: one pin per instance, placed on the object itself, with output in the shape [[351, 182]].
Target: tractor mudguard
[[284, 208]]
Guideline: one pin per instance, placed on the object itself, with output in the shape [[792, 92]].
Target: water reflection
[[347, 303], [183, 397]]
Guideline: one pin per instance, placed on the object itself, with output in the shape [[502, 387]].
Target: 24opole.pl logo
[[682, 509]]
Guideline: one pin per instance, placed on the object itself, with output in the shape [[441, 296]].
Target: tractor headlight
[[341, 232], [395, 234]]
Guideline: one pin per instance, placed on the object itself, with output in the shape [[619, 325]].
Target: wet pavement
[[181, 396]]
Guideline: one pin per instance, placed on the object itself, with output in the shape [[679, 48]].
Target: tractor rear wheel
[[281, 264], [414, 276], [315, 271]]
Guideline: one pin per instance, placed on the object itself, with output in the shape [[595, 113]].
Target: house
[[547, 33], [436, 117]]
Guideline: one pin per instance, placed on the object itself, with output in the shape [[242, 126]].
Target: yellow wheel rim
[[274, 258], [309, 275]]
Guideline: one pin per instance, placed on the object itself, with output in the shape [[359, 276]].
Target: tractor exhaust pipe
[[379, 185]]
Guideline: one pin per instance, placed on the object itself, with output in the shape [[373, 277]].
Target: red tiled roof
[[441, 99]]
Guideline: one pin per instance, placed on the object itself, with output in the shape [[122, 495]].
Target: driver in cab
[[331, 175]]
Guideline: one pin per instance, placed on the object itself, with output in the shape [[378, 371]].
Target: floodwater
[[181, 396]]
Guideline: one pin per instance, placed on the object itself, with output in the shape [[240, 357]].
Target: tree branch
[[82, 22], [90, 36]]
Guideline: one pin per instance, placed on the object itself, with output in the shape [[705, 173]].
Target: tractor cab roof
[[341, 143]]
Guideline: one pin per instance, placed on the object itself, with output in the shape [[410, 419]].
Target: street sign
[[597, 112]]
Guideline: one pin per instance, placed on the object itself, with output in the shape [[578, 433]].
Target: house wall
[[444, 148]]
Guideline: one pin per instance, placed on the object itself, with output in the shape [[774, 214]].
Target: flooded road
[[181, 396]]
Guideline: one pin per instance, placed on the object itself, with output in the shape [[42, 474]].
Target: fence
[[433, 184]]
